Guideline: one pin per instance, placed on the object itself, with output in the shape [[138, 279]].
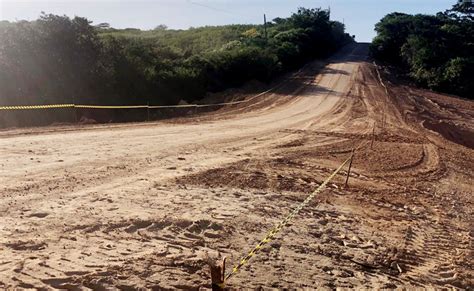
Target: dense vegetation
[[56, 59], [437, 51]]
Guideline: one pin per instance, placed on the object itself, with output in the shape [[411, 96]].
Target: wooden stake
[[217, 275], [373, 137], [350, 166], [148, 111], [75, 115], [74, 109]]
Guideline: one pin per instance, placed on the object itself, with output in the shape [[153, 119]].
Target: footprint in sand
[[39, 214]]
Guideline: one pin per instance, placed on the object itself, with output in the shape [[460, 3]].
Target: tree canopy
[[437, 51]]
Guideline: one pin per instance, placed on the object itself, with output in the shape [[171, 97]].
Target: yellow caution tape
[[210, 105], [26, 107], [111, 106], [276, 229], [173, 106], [141, 106], [29, 107]]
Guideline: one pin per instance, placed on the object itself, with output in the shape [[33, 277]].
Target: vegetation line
[[436, 51], [56, 59]]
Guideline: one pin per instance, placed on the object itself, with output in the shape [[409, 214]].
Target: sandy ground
[[141, 206]]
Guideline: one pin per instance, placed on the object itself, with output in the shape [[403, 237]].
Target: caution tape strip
[[29, 107], [276, 229], [111, 106]]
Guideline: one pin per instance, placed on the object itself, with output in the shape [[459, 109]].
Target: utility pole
[[265, 26]]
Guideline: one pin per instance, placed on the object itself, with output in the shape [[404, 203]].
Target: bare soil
[[141, 206]]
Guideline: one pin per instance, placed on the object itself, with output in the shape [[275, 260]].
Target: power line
[[233, 13], [210, 7]]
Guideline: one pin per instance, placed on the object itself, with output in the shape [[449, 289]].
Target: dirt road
[[142, 205]]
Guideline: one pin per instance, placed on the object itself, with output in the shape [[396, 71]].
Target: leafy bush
[[436, 51]]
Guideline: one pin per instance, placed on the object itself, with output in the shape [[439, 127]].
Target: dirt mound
[[452, 133]]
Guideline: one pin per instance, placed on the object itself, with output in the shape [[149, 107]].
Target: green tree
[[436, 51], [57, 59]]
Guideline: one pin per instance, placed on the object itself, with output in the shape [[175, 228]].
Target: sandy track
[[141, 206]]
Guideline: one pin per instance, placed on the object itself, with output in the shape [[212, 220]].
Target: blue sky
[[358, 15]]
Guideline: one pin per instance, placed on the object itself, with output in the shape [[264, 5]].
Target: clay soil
[[144, 205]]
